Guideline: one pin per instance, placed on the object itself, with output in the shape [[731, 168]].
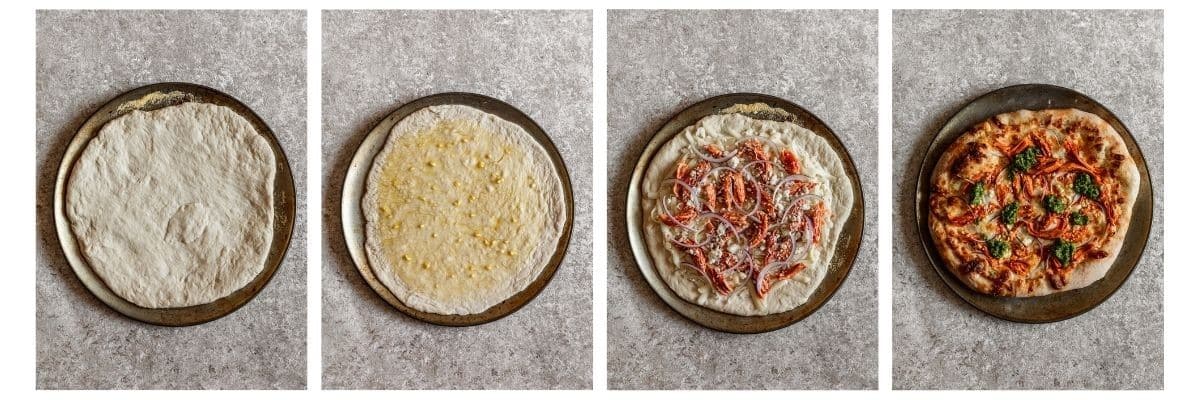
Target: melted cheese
[[454, 218]]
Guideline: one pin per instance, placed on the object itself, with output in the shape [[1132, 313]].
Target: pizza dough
[[173, 207], [463, 210], [819, 162], [1031, 203]]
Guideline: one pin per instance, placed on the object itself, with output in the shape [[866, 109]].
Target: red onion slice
[[805, 197], [792, 246], [793, 178], [767, 270], [753, 163], [695, 193], [662, 202], [724, 220], [716, 170], [807, 234]]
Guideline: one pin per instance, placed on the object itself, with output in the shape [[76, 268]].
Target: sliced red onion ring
[[793, 178], [695, 193], [692, 266], [792, 246], [724, 220], [751, 164], [804, 197], [767, 270], [737, 237], [716, 170], [662, 202]]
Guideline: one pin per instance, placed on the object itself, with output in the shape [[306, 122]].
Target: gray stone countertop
[[943, 60], [537, 61], [663, 61], [84, 59]]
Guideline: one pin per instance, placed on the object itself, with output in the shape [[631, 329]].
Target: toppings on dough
[[743, 214], [1012, 228]]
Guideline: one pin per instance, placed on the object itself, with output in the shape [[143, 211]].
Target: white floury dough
[[173, 207]]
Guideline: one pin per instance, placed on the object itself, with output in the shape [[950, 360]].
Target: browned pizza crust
[[1062, 144]]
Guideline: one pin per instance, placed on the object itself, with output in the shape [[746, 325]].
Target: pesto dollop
[[1079, 218], [976, 194], [1054, 204], [1085, 186], [998, 248], [1025, 160], [1062, 250], [1008, 215]]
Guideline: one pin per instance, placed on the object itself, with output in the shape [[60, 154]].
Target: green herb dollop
[[976, 194], [1008, 215], [1085, 186], [1062, 250], [998, 248], [1054, 204], [1079, 218], [1025, 160]]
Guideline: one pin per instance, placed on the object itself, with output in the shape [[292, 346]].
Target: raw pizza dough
[[173, 207], [962, 231], [463, 210], [818, 159]]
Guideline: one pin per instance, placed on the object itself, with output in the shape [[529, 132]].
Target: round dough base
[[173, 207], [484, 228]]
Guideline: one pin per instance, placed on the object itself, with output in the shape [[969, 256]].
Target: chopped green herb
[[998, 248], [1079, 218], [1054, 204], [1085, 186], [1008, 215], [976, 194], [1025, 160], [1062, 250]]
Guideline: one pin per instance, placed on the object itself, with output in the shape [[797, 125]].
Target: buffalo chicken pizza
[[1031, 203], [742, 215]]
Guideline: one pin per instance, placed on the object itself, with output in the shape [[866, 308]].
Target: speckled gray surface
[[537, 61], [659, 63], [85, 58], [942, 60]]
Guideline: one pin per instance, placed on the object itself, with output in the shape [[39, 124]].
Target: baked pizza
[[742, 215], [1031, 203]]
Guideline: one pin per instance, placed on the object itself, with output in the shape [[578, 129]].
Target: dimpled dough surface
[[463, 210], [172, 207]]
